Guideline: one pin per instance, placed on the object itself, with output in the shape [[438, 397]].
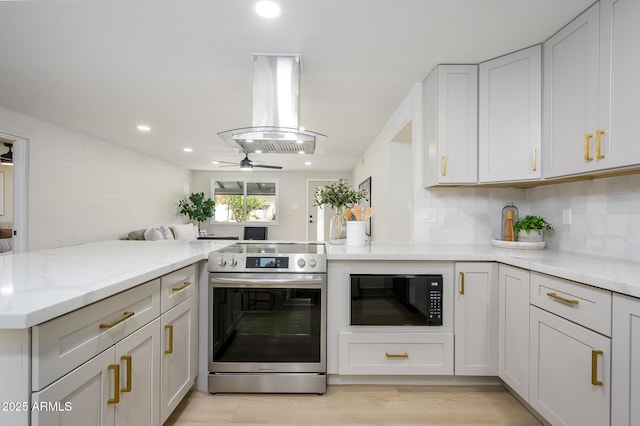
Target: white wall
[[82, 189], [6, 219], [388, 161], [292, 215]]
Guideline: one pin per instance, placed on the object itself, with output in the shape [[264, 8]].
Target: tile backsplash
[[605, 215]]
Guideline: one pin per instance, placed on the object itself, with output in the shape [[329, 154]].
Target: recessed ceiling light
[[307, 163], [301, 152], [257, 151], [215, 162], [249, 141], [187, 149], [144, 128], [268, 9], [299, 142]]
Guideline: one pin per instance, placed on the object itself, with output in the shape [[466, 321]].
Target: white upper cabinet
[[450, 95], [509, 124], [590, 89]]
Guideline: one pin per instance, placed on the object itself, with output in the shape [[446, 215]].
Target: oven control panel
[[222, 262]]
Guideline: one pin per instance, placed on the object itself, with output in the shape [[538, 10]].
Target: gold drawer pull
[[599, 134], [444, 165], [461, 291], [127, 359], [392, 356], [534, 164], [116, 384], [587, 138], [594, 367], [571, 302], [182, 287], [170, 328], [118, 321]]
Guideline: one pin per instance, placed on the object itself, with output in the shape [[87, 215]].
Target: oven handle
[[259, 283]]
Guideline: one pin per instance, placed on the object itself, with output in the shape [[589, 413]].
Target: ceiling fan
[[247, 164]]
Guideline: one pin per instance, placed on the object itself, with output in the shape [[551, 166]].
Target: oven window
[[396, 300], [266, 325]]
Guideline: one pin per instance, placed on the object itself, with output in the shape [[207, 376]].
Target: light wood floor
[[358, 405]]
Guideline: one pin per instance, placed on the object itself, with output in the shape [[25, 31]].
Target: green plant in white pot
[[197, 208], [531, 228], [338, 195]]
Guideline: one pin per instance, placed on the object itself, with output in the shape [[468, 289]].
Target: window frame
[[245, 181]]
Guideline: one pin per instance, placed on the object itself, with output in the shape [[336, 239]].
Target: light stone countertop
[[41, 285]]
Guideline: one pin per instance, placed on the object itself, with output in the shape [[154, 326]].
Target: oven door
[[267, 323]]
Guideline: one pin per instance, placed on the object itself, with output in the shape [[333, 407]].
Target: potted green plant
[[338, 195], [531, 228], [197, 208]]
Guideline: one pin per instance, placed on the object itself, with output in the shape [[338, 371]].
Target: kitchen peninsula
[[41, 286]]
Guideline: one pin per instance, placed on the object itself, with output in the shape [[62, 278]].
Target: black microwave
[[380, 300]]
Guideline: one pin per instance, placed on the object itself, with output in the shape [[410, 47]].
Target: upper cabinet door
[[571, 95], [618, 114], [450, 103], [510, 108]]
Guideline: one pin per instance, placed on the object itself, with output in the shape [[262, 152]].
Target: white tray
[[520, 245]]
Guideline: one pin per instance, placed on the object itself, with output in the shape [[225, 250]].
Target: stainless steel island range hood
[[276, 91]]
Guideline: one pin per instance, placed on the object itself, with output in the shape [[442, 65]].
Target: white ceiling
[[184, 67]]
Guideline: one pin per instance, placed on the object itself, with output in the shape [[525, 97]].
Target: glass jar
[[338, 227]]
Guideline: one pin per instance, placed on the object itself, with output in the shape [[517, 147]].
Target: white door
[[571, 95], [15, 191], [85, 396], [625, 371], [476, 319], [317, 218], [513, 328], [510, 116], [179, 347], [139, 362], [570, 371]]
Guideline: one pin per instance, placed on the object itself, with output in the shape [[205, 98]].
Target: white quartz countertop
[[610, 274], [41, 285]]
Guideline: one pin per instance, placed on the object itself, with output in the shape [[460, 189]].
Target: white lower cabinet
[[476, 319], [570, 371], [120, 386], [625, 370], [513, 329], [179, 354]]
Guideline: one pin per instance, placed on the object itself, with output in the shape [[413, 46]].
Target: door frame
[[308, 197], [20, 192]]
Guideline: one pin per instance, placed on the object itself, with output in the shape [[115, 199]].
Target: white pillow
[[166, 233], [184, 232], [153, 234]]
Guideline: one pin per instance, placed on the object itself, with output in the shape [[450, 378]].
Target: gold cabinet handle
[[182, 287], [599, 134], [118, 321], [461, 291], [392, 356], [444, 165], [127, 359], [534, 165], [594, 367], [571, 302], [587, 138], [116, 384], [170, 328]]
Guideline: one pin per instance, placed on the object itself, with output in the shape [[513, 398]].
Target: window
[[245, 201]]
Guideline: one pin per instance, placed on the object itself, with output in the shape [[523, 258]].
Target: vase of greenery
[[197, 208], [339, 195], [531, 228]]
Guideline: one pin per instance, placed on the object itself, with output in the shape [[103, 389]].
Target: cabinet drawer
[[582, 304], [177, 287], [396, 353], [64, 343]]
